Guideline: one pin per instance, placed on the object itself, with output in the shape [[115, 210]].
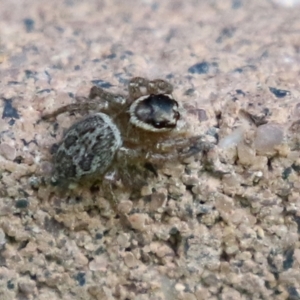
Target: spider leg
[[181, 143], [110, 98], [159, 86], [177, 150], [71, 108], [106, 101], [126, 154], [138, 87], [134, 169], [180, 149]]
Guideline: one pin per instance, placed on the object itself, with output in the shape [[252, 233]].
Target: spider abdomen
[[87, 149]]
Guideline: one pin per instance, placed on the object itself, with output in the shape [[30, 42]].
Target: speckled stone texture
[[222, 225]]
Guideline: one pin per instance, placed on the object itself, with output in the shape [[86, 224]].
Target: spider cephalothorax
[[122, 132], [157, 113]]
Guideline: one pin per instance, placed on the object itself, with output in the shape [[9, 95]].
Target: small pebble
[[179, 287], [125, 206], [7, 151], [267, 137], [130, 260], [137, 221], [27, 286]]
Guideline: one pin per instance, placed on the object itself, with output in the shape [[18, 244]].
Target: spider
[[122, 135]]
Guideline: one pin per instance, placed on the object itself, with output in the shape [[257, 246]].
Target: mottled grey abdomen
[[87, 149]]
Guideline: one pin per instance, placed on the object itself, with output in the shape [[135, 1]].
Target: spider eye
[[159, 125], [155, 112]]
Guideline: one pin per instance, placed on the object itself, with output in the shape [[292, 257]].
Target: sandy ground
[[224, 225]]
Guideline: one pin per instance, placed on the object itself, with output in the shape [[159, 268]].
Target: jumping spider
[[128, 132]]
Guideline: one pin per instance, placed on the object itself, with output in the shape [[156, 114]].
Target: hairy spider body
[[83, 150], [130, 131]]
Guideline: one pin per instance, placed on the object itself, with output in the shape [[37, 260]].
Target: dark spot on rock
[[225, 256], [70, 141], [238, 70], [271, 259], [175, 240], [44, 91], [268, 285], [99, 236], [22, 203], [9, 111], [189, 92], [52, 226], [10, 285], [286, 173], [277, 292], [265, 54], [49, 78], [30, 74], [297, 220], [126, 54], [147, 198], [29, 24], [77, 67], [240, 92], [19, 159], [11, 122], [101, 83], [188, 171], [121, 78], [80, 278], [296, 168], [23, 193], [289, 259], [111, 56], [245, 68], [279, 93], [25, 143], [236, 4], [293, 293], [100, 250], [266, 111], [199, 68], [23, 245], [13, 82], [225, 34]]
